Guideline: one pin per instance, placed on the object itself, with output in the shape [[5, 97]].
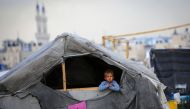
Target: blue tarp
[[2, 67]]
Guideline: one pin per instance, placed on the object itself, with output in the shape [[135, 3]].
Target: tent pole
[[64, 77]]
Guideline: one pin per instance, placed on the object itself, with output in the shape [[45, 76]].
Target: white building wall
[[12, 56], [137, 52]]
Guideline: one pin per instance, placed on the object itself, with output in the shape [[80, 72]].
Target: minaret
[[41, 35]]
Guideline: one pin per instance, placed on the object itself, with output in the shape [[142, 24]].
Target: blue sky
[[91, 18]]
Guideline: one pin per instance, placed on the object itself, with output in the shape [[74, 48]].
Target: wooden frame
[[64, 77], [65, 82]]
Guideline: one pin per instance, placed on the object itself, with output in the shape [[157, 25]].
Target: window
[[82, 72], [39, 44], [166, 41], [4, 59], [34, 44], [129, 48]]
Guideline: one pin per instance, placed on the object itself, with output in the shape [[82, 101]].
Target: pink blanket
[[81, 105]]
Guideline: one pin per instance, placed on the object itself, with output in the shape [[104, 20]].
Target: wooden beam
[[64, 78], [127, 49], [148, 32], [103, 41], [80, 89]]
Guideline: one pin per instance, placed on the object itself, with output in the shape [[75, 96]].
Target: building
[[14, 51], [137, 45], [140, 47], [180, 40], [41, 20]]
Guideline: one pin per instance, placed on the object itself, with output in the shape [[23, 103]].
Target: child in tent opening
[[109, 82]]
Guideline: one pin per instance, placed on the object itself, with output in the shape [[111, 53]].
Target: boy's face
[[108, 77]]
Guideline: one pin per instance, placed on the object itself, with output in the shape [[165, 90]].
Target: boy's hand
[[108, 85], [111, 84]]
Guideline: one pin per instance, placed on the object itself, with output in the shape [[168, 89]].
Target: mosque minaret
[[41, 35]]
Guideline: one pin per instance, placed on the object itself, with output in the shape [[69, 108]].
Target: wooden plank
[[81, 89], [64, 77]]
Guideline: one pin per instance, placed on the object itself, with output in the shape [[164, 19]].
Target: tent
[[69, 63]]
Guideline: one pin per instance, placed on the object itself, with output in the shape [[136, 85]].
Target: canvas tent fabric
[[22, 86]]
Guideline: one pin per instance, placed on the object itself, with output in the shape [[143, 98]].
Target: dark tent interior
[[81, 72]]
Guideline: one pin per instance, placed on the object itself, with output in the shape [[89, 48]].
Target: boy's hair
[[108, 71]]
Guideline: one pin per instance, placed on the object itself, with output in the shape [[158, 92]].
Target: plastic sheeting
[[172, 67], [137, 88]]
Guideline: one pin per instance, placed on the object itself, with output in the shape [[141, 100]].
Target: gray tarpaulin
[[24, 85]]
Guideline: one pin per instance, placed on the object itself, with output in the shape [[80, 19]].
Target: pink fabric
[[81, 105]]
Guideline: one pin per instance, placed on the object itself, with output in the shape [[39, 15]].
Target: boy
[[109, 83]]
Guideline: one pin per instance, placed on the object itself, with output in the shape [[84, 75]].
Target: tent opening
[[87, 71], [54, 78], [80, 72]]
